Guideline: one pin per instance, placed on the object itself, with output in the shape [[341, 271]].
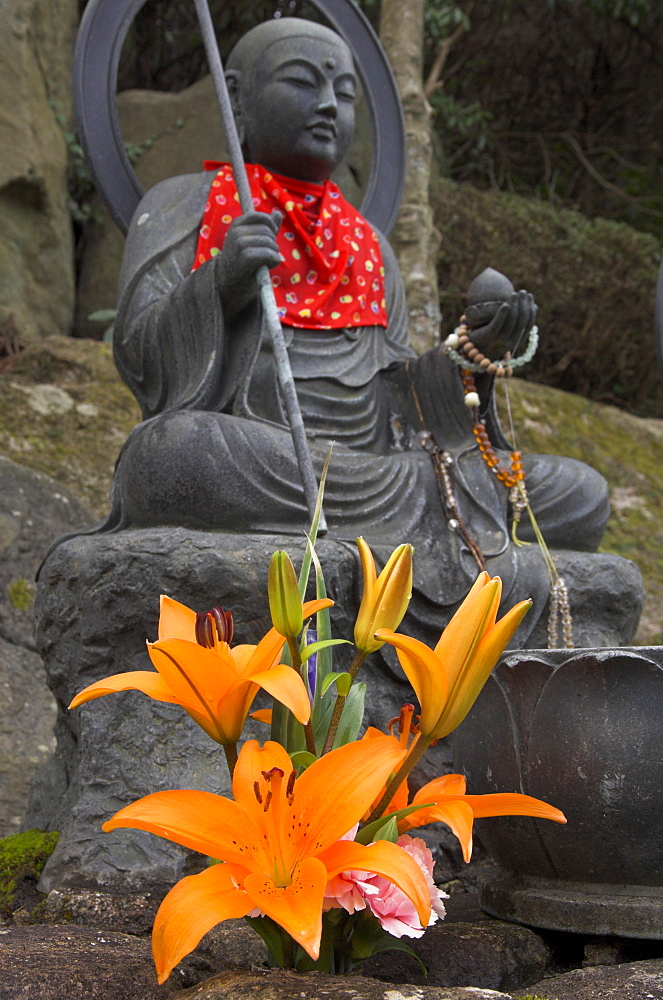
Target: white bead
[[472, 400], [452, 340]]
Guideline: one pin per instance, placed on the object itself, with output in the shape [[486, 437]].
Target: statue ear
[[234, 83]]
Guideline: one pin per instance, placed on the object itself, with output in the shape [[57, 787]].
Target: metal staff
[[272, 321]]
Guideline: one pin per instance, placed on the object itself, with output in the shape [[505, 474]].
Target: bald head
[[249, 50], [293, 86]]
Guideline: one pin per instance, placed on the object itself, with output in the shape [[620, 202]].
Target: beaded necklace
[[470, 360]]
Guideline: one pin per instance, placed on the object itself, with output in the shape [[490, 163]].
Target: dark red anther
[[209, 621], [204, 633], [256, 789], [290, 787], [225, 627]]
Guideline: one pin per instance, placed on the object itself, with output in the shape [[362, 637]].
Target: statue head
[[293, 86]]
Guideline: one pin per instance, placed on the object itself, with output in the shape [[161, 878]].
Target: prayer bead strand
[[470, 360]]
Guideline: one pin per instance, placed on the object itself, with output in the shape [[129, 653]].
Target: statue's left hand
[[496, 328]]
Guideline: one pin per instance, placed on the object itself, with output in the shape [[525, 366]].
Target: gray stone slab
[[631, 981], [280, 985]]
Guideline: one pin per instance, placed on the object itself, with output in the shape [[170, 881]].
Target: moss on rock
[[627, 451], [22, 859], [73, 434], [21, 594]]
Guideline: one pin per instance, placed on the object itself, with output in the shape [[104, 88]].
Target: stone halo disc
[[101, 35]]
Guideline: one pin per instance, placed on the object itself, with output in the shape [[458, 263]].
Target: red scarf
[[332, 275]]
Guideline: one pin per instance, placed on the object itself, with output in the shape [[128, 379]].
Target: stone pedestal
[[98, 603], [582, 730]]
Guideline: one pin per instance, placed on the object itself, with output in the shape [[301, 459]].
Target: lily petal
[[202, 821], [482, 661], [285, 684], [425, 672], [512, 804], [191, 908], [457, 815], [461, 637], [176, 621], [351, 776], [147, 681], [198, 677], [296, 907]]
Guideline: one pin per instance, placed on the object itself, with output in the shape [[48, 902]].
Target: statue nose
[[328, 103]]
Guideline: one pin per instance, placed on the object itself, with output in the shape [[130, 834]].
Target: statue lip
[[325, 125]]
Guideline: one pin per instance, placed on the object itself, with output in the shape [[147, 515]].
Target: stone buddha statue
[[213, 451], [212, 467]]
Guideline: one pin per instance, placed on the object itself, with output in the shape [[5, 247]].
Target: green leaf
[[313, 532], [367, 834], [315, 647], [271, 934], [387, 830], [343, 683], [303, 759], [352, 717]]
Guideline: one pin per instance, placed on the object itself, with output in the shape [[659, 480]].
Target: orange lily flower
[[448, 679], [197, 669], [385, 597], [458, 810], [279, 839], [444, 800]]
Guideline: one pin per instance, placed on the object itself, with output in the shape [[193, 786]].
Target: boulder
[[490, 954], [53, 962], [98, 602], [276, 984], [630, 981], [36, 247], [34, 510]]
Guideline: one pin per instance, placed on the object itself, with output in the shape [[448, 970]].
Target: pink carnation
[[354, 890]]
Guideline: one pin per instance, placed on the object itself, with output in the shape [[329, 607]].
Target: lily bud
[[385, 598], [285, 604]]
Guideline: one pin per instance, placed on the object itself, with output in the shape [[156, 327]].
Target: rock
[[276, 984], [628, 452], [125, 913], [631, 981], [491, 954], [55, 962], [34, 510], [27, 716], [36, 247], [606, 595], [67, 414], [98, 602]]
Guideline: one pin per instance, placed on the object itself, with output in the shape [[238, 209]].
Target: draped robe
[[213, 451]]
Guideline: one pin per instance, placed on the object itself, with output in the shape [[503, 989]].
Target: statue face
[[298, 117]]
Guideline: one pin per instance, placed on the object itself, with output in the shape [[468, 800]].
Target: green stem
[[296, 658], [300, 667], [413, 757], [230, 750], [288, 950], [339, 704]]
